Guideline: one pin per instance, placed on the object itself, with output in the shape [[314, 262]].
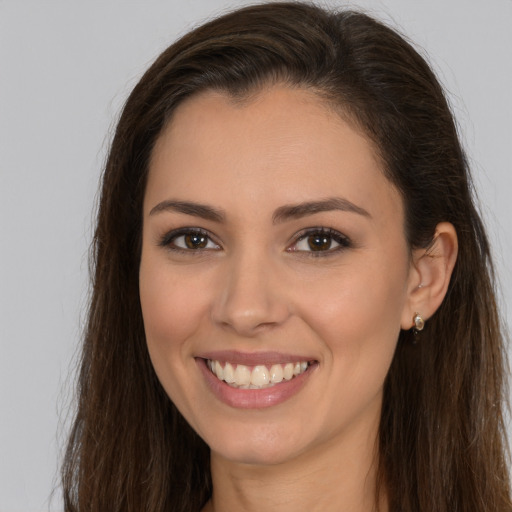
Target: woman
[[293, 301]]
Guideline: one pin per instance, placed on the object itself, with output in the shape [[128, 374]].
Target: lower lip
[[254, 398]]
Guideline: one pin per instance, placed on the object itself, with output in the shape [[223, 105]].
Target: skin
[[257, 286]]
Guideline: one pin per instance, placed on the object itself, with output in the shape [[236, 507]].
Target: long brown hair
[[442, 444]]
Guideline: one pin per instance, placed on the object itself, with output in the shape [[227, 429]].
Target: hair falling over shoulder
[[442, 444]]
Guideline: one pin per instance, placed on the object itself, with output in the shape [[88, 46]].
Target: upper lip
[[254, 358]]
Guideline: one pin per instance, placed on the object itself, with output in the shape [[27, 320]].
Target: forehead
[[278, 146]]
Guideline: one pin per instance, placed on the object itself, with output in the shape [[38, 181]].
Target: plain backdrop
[[66, 68]]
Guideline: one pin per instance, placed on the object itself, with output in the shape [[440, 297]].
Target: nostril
[[251, 298], [249, 315]]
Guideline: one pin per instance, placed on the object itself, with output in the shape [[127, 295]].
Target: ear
[[429, 275]]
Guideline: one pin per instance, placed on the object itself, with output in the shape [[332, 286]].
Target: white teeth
[[276, 373], [257, 377], [219, 371], [260, 376], [229, 373], [288, 371], [242, 375]]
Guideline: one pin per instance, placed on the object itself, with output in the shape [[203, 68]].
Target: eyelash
[[169, 241], [343, 241]]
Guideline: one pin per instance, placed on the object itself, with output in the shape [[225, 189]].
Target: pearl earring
[[418, 322]]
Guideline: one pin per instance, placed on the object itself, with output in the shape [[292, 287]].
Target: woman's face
[[271, 237]]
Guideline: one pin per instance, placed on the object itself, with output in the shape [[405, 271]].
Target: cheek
[[359, 317], [173, 308]]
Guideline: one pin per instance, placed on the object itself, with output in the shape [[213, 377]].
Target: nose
[[251, 297]]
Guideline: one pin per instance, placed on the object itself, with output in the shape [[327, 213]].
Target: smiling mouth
[[241, 376]]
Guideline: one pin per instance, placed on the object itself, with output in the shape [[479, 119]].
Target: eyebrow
[[190, 208], [296, 211], [281, 214]]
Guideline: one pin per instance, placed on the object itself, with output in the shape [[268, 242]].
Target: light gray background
[[65, 70]]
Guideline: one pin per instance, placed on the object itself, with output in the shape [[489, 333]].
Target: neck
[[338, 476]]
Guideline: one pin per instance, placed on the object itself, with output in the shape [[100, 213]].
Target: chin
[[263, 446], [252, 456]]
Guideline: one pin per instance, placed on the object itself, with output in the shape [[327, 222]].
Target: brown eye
[[188, 240], [195, 241], [319, 242]]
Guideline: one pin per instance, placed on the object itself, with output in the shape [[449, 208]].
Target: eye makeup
[[319, 242], [315, 241], [189, 240]]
